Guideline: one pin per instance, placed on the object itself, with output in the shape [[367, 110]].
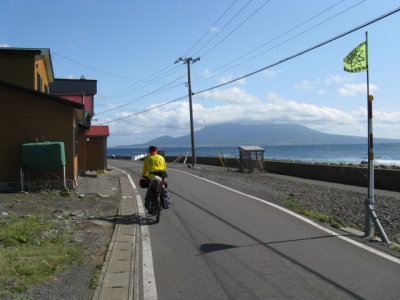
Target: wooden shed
[[26, 116], [96, 147]]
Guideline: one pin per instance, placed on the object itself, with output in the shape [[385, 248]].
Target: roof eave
[[41, 94]]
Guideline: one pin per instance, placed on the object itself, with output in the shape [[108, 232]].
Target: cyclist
[[154, 164]]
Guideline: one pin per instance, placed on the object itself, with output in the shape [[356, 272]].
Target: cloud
[[337, 79], [214, 29], [229, 78], [5, 45], [232, 95], [291, 111], [272, 73], [392, 117], [306, 85], [208, 74], [237, 105], [355, 89]]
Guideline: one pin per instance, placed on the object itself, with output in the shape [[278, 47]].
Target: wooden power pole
[[188, 60]]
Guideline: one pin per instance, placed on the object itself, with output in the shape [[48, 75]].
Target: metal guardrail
[[137, 155]]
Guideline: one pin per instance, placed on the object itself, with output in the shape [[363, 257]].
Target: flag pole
[[370, 201], [371, 218]]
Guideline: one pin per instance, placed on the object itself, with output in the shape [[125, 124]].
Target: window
[[39, 82]]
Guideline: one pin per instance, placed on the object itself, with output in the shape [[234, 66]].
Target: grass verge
[[395, 248], [296, 206], [33, 251], [94, 283]]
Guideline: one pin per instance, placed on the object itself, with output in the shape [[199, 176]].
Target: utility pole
[[188, 60]]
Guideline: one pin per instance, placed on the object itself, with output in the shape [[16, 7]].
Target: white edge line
[[149, 280], [384, 255]]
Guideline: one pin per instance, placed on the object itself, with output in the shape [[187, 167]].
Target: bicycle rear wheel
[[157, 208]]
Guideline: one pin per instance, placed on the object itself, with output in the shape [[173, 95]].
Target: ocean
[[385, 154]]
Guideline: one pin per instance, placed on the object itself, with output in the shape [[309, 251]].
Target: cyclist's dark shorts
[[161, 174]]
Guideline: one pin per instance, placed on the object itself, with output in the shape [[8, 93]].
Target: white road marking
[[149, 280], [372, 250]]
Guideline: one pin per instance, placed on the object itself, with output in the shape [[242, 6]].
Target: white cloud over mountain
[[236, 105]]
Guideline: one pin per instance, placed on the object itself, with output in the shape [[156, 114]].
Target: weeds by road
[[49, 234], [33, 251]]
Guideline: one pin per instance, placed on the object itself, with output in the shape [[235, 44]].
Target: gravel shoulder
[[90, 217], [343, 204]]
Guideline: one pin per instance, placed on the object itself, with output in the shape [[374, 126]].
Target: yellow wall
[[40, 68]]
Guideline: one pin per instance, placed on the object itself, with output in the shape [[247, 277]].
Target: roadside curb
[[118, 275]]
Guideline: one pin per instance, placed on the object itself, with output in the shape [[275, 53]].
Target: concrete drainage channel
[[119, 278]]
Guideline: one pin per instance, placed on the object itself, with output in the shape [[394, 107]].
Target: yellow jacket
[[153, 163]]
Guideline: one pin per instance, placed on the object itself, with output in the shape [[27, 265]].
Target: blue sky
[[130, 48]]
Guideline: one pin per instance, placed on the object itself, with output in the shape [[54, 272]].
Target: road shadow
[[120, 219], [208, 248], [211, 247]]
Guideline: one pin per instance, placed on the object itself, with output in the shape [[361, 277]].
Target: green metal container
[[46, 156]]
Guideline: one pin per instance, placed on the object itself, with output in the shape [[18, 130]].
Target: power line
[[93, 68], [154, 93], [139, 81], [147, 79], [142, 112], [231, 19], [272, 65], [164, 74], [277, 37], [140, 86], [302, 52], [237, 27], [213, 25], [295, 36], [146, 95]]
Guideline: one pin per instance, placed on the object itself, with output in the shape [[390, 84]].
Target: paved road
[[215, 243]]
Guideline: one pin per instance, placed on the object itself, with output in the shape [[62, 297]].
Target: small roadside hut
[[96, 147], [251, 157]]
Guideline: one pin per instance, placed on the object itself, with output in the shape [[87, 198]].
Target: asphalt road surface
[[214, 243]]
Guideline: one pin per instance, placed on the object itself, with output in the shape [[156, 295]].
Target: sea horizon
[[385, 153]]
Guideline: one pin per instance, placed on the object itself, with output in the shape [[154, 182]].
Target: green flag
[[357, 60]]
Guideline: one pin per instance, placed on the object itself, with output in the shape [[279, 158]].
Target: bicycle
[[155, 188]]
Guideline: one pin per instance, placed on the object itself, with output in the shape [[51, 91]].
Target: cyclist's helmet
[[153, 149]]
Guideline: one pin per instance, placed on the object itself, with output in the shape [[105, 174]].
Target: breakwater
[[386, 177]]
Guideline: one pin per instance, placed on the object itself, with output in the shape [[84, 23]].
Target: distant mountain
[[257, 135]]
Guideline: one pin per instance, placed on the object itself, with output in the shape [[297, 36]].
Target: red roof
[[98, 131]]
